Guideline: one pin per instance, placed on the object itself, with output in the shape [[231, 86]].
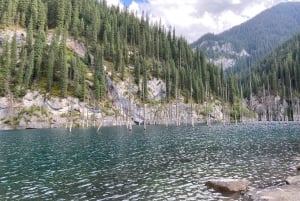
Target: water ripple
[[163, 163]]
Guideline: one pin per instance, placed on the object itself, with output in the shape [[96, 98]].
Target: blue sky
[[128, 2], [193, 18]]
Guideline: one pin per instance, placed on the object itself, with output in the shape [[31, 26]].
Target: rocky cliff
[[40, 110]]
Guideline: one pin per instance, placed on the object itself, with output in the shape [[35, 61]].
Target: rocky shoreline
[[40, 110], [290, 191]]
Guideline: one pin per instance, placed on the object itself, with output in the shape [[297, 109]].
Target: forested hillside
[[257, 36], [126, 44], [276, 80], [277, 74]]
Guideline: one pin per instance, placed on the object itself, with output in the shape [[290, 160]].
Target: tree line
[[110, 34]]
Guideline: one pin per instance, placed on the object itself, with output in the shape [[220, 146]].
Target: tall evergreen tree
[[63, 66], [39, 50], [145, 82], [51, 62], [14, 53], [21, 69], [5, 69], [29, 71]]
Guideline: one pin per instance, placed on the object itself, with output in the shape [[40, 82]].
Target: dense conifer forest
[[121, 45], [112, 36], [278, 74]]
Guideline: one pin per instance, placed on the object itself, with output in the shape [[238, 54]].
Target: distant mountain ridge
[[251, 41]]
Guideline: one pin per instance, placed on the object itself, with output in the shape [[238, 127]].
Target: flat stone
[[284, 193], [293, 180], [228, 185]]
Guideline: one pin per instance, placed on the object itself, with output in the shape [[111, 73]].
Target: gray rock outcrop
[[293, 180], [228, 185]]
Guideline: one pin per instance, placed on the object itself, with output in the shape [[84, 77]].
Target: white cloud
[[115, 3], [134, 7], [193, 18]]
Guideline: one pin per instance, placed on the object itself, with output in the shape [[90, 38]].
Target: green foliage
[[29, 71], [110, 35], [5, 71], [278, 73]]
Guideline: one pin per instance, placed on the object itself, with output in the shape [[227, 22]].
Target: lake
[[162, 163]]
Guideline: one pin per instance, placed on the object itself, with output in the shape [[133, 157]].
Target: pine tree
[[60, 18], [29, 71], [274, 81], [34, 13], [97, 75], [232, 89], [145, 82], [5, 70], [42, 16], [137, 70], [77, 74], [75, 20], [14, 53], [168, 81], [101, 78], [39, 50], [63, 66], [51, 61], [83, 82], [29, 38], [22, 66]]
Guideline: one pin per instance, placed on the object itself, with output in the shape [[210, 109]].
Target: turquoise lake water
[[162, 163]]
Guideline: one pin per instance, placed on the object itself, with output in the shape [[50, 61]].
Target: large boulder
[[228, 185], [284, 193], [293, 180]]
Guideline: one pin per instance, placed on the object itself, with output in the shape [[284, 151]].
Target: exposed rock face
[[225, 53], [75, 45], [157, 89], [36, 110], [293, 180], [40, 110], [228, 185], [284, 193], [9, 33]]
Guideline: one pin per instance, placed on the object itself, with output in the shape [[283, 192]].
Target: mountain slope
[[275, 80], [278, 73], [71, 48], [111, 36], [250, 41]]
